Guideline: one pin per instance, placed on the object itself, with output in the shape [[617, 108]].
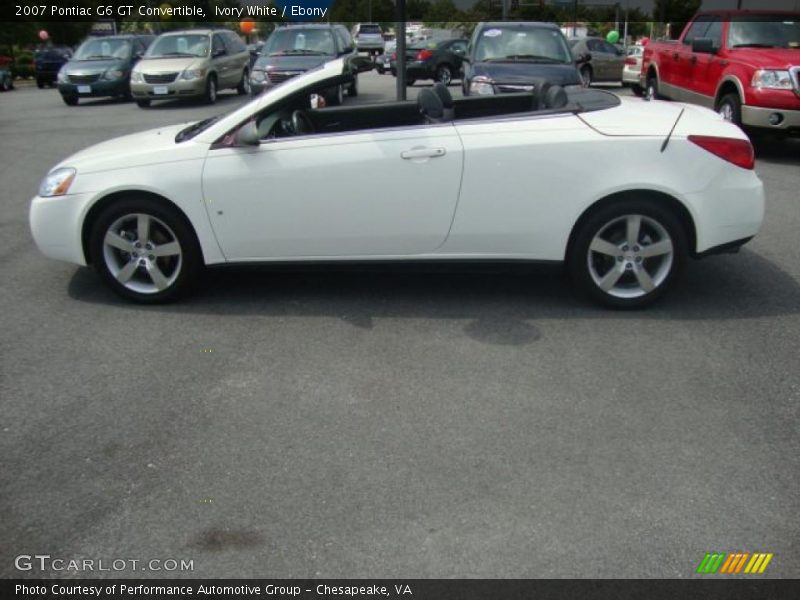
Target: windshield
[[104, 48], [534, 44], [766, 32], [179, 45], [299, 41]]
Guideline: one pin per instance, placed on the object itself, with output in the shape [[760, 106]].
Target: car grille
[[160, 77], [281, 76], [510, 88], [84, 78]]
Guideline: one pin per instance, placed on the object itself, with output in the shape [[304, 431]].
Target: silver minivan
[[192, 63]]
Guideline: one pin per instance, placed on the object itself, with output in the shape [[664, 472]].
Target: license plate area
[[161, 90], [84, 89]]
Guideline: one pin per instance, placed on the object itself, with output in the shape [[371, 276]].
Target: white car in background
[[622, 190], [632, 70]]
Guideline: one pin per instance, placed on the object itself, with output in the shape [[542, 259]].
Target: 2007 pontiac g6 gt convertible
[[622, 190]]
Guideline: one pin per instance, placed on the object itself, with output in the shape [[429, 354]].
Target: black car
[[48, 61], [102, 67], [440, 61], [509, 56], [292, 50]]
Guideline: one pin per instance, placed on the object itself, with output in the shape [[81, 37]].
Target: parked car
[[47, 62], [599, 60], [147, 211], [632, 69], [368, 37], [101, 66], [440, 61], [508, 56], [383, 63], [6, 80], [292, 50], [194, 63], [743, 64]]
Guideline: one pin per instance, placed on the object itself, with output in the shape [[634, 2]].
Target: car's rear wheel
[[70, 100], [144, 250], [444, 74], [651, 91], [243, 89], [210, 95], [627, 254], [730, 107], [586, 75], [143, 103]]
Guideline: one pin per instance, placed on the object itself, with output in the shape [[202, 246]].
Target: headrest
[[554, 97], [444, 94], [429, 104]]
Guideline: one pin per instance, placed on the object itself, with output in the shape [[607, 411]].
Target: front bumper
[[97, 89], [56, 226], [183, 88], [756, 116]]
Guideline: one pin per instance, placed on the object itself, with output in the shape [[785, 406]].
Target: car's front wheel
[[145, 250], [586, 75], [210, 95], [730, 107], [444, 74], [243, 89], [142, 103], [70, 100], [627, 254], [352, 91]]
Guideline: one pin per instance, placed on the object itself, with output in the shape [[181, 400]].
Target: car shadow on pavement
[[777, 150], [717, 288]]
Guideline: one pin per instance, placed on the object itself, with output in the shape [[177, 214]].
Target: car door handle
[[422, 153]]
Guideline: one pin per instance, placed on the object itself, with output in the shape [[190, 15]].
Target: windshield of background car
[[534, 44], [179, 45], [765, 31], [103, 48], [299, 41]]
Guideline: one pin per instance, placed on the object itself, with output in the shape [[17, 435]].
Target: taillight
[[738, 152], [394, 55], [630, 61], [424, 54]]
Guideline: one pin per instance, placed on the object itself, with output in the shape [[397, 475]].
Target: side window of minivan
[[234, 43], [217, 47]]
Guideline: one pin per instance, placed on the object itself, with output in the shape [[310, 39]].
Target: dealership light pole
[[400, 48]]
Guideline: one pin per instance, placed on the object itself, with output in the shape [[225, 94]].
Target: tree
[[676, 13]]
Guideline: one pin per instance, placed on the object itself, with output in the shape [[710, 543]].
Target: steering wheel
[[301, 123]]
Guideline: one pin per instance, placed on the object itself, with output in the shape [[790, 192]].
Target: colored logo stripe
[[732, 563]]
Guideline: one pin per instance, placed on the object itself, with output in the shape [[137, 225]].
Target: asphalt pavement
[[404, 422]]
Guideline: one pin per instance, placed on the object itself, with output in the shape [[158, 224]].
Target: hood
[[525, 72], [176, 64], [90, 67], [128, 151], [768, 57], [636, 117], [283, 62]]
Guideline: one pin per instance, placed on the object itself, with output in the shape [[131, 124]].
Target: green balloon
[[612, 37]]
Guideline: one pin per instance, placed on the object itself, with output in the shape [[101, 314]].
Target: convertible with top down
[[622, 190]]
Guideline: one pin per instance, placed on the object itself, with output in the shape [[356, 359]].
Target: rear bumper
[[631, 76], [757, 116]]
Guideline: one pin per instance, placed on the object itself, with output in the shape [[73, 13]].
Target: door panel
[[345, 195]]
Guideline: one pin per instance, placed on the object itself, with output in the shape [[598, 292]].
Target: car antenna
[[671, 131]]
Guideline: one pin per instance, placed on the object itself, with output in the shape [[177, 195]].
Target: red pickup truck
[[743, 64]]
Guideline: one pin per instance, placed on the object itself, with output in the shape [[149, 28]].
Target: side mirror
[[703, 45], [247, 135]]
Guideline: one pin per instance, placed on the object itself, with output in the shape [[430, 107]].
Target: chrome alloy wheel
[[630, 256], [726, 110], [142, 253]]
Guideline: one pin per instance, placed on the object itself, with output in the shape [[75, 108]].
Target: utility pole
[[400, 48], [575, 19]]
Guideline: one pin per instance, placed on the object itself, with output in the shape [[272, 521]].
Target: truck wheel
[[730, 107], [651, 91], [637, 90]]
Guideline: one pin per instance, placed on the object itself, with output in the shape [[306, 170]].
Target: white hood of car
[[129, 150]]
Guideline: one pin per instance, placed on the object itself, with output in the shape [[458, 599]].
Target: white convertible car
[[622, 190]]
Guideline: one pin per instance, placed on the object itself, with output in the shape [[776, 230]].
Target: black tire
[[70, 100], [337, 97], [444, 74], [584, 267], [4, 85], [730, 107], [210, 95], [586, 75], [182, 271], [142, 102], [40, 83], [410, 82], [637, 90], [651, 89], [352, 90], [243, 89]]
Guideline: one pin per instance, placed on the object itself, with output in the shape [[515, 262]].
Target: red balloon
[[247, 26], [43, 35]]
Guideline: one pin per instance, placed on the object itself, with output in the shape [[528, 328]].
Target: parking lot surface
[[403, 422]]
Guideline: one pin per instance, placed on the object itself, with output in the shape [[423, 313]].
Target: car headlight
[[258, 77], [773, 80], [57, 182], [193, 74], [136, 77], [113, 74], [482, 86], [62, 76]]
